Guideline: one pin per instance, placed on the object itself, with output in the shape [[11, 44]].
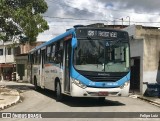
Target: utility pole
[[114, 22], [122, 22], [129, 19]]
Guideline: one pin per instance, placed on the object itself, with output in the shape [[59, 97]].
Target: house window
[[1, 52], [9, 51], [17, 50]]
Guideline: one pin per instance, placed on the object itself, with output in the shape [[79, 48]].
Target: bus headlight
[[79, 83], [125, 84]]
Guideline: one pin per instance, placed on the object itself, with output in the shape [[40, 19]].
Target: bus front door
[[67, 58]]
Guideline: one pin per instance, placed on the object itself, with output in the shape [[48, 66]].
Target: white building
[[7, 61], [145, 55], [14, 59]]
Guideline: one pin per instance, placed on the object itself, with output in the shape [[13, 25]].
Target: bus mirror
[[74, 42]]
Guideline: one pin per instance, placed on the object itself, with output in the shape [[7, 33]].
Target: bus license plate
[[102, 93]]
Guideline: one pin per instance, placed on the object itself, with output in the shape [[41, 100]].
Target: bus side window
[[36, 57], [52, 53], [39, 56], [59, 53], [31, 58], [48, 53]]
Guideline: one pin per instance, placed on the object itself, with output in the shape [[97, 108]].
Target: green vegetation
[[22, 19]]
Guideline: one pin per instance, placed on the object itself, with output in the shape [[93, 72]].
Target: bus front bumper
[[77, 91]]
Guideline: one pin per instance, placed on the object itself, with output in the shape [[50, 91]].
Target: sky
[[64, 14]]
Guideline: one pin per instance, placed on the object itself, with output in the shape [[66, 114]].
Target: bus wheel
[[101, 99], [58, 91]]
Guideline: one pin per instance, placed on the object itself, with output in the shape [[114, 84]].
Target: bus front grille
[[103, 78]]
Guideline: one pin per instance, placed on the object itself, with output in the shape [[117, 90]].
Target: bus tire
[[59, 95], [101, 99]]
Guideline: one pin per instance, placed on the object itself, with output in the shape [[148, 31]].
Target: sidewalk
[[152, 100], [8, 97]]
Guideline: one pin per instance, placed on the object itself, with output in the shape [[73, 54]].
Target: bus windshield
[[102, 55]]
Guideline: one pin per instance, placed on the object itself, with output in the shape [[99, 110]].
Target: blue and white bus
[[83, 62]]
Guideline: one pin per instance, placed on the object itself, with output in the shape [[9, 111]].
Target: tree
[[22, 19]]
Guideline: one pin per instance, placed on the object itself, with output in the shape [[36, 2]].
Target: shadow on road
[[90, 102], [81, 102]]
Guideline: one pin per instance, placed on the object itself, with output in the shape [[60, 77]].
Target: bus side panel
[[35, 74], [51, 72]]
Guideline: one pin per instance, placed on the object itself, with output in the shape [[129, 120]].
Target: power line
[[73, 18], [97, 20]]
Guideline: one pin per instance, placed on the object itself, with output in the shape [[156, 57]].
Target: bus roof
[[69, 32]]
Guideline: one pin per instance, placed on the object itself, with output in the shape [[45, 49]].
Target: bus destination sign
[[99, 33]]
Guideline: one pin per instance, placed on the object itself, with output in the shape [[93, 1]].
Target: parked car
[[153, 90]]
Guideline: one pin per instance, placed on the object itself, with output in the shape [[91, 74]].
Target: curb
[[11, 103], [150, 101]]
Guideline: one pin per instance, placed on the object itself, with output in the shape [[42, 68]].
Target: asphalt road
[[45, 101]]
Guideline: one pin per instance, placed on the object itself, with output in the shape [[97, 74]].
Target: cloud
[[146, 6], [136, 5], [54, 8], [109, 5], [71, 8], [109, 10], [103, 9]]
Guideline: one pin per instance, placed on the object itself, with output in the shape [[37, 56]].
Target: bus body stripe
[[87, 82]]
